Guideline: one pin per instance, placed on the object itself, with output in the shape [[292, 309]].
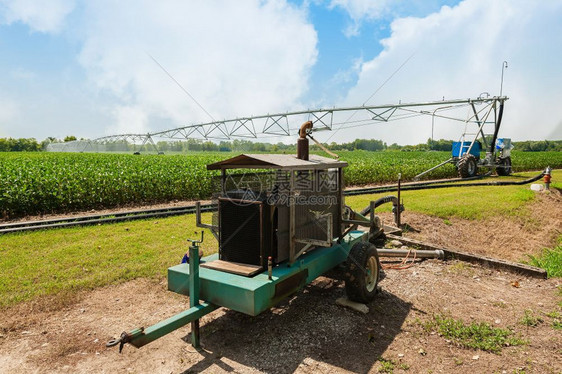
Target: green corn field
[[40, 183]]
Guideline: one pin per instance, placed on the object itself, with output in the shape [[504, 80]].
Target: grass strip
[[476, 335], [63, 261], [549, 260]]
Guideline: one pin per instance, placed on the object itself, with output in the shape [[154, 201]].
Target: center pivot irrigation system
[[481, 118], [281, 222]]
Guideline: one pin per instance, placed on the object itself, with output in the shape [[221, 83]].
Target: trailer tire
[[467, 166], [362, 273], [504, 166]]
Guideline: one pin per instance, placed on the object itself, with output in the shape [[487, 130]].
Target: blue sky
[[339, 50], [83, 68]]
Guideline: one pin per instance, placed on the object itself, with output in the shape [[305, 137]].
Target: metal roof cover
[[276, 161]]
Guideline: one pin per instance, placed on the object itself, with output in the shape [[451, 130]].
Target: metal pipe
[[433, 120], [302, 141], [198, 222], [433, 168], [384, 252], [481, 126], [547, 177], [270, 268], [305, 127], [143, 336], [398, 205], [300, 112], [302, 149], [504, 66]]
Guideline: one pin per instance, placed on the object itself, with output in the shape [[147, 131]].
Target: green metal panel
[[194, 271], [253, 295], [194, 288]]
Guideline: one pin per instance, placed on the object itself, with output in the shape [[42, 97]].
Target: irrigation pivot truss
[[480, 111]]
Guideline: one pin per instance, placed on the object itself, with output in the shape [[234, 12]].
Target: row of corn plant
[[38, 183]]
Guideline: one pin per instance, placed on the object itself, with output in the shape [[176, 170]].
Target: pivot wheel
[[467, 166], [504, 166], [362, 271]]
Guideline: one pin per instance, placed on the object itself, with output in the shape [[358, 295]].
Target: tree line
[[194, 145]]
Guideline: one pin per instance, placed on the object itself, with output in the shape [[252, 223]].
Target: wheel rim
[[471, 167], [371, 274]]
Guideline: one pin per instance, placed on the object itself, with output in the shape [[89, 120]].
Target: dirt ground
[[311, 333], [509, 238]]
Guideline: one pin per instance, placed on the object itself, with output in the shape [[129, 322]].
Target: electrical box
[[461, 148]]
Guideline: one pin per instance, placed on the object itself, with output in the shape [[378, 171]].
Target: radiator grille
[[241, 231], [320, 197]]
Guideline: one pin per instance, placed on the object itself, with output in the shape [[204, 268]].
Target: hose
[[394, 187], [379, 202], [426, 186], [497, 129]]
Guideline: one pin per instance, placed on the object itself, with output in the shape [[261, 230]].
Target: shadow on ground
[[310, 325]]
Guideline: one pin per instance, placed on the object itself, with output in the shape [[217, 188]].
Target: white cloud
[[360, 10], [253, 57], [368, 10], [42, 16], [129, 119], [235, 58], [458, 54]]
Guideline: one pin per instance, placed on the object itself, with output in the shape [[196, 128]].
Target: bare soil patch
[[311, 333], [308, 334], [509, 238]]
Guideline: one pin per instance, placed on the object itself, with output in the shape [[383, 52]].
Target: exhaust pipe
[[302, 141]]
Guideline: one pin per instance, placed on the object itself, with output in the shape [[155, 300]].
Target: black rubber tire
[[467, 166], [363, 256], [504, 166]]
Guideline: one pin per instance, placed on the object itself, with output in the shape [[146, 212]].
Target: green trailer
[[281, 222]]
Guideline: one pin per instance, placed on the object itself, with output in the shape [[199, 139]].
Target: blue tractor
[[466, 153], [466, 157]]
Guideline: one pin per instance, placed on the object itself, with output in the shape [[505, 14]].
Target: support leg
[[195, 334], [194, 291]]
